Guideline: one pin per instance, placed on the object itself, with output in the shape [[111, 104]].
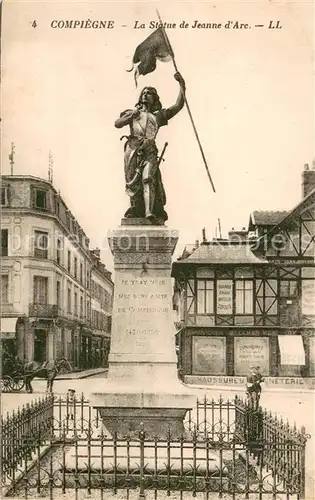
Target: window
[[80, 236], [41, 245], [88, 310], [58, 294], [75, 267], [4, 288], [75, 303], [96, 319], [81, 272], [59, 251], [288, 288], [40, 296], [4, 242], [40, 198], [87, 279], [108, 323], [205, 296], [57, 206], [68, 221], [69, 300], [81, 307], [4, 196], [108, 300], [69, 261], [244, 297]]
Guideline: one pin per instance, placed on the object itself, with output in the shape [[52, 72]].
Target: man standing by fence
[[253, 386]]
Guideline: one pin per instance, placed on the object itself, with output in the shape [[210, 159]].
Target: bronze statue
[[142, 174]]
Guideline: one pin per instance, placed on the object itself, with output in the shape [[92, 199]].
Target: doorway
[[40, 346]]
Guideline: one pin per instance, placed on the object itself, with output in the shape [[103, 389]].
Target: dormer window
[[278, 241], [69, 220], [57, 205], [40, 198], [4, 196]]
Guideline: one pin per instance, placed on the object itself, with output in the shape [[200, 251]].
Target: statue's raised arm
[[173, 110]]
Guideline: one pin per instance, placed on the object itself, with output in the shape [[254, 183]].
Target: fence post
[[302, 451], [141, 443]]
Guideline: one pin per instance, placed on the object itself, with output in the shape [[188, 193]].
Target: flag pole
[[186, 102]]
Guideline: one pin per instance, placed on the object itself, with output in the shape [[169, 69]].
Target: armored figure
[[142, 173]]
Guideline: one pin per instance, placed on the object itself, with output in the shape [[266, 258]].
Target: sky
[[250, 92]]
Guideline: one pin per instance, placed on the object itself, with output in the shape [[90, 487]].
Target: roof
[[223, 253], [303, 204], [188, 250], [267, 217]]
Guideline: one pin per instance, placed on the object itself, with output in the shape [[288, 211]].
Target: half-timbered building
[[250, 299]]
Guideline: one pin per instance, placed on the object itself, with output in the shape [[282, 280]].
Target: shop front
[[232, 352], [8, 336]]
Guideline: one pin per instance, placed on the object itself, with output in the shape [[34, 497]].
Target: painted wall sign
[[270, 382], [209, 355], [308, 297], [249, 351], [224, 296]]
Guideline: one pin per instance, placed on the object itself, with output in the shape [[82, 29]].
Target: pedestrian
[[253, 386], [70, 404]]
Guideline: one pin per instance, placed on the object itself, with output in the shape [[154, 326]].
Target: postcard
[[158, 242]]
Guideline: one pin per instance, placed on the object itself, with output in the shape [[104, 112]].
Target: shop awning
[[8, 328], [291, 350]]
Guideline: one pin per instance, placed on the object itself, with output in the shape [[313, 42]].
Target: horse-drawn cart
[[12, 383], [15, 375], [12, 377]]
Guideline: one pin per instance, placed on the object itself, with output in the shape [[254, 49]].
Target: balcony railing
[[54, 311], [44, 310]]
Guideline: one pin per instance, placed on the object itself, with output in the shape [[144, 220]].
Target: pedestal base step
[[156, 457], [155, 422]]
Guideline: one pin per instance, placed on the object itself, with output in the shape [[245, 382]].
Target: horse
[[48, 370]]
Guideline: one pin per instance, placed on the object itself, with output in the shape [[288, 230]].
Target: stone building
[[250, 299], [48, 276]]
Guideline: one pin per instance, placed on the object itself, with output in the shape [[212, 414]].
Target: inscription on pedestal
[[143, 313], [142, 258]]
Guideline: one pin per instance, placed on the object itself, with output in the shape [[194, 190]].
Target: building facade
[[250, 299], [47, 273]]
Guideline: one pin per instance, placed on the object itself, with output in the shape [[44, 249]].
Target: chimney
[[308, 179], [196, 244], [238, 235], [204, 238]]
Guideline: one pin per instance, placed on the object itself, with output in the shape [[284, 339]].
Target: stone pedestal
[[142, 384]]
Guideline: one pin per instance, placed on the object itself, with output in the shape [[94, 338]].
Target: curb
[[80, 375]]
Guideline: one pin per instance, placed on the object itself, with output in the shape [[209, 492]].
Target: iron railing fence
[[21, 430], [227, 448], [286, 457], [103, 467]]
